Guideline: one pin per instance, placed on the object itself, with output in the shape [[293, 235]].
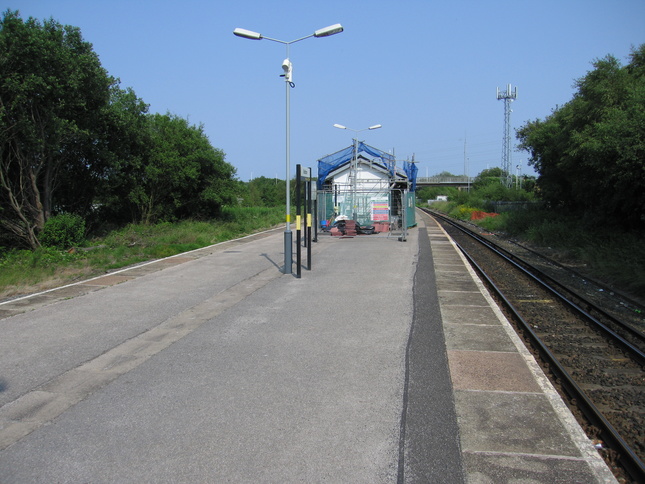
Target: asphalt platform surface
[[386, 362]]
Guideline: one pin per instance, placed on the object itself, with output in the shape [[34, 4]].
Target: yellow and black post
[[298, 222], [309, 196]]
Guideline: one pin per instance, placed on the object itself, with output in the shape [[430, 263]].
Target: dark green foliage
[[72, 141], [52, 93], [266, 192], [615, 256], [486, 187], [431, 193], [490, 176], [63, 231], [485, 192], [127, 143], [180, 175], [590, 153]]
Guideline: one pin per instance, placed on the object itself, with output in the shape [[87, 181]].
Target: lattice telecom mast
[[508, 97]]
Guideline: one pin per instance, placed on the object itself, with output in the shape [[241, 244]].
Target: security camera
[[287, 67]]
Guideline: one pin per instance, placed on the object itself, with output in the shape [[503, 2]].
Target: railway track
[[593, 351]]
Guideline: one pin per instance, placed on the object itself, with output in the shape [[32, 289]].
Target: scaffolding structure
[[362, 183], [370, 206]]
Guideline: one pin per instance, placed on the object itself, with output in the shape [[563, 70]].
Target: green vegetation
[[264, 192], [63, 231], [590, 153], [90, 181], [610, 254], [588, 202], [24, 271], [73, 142], [83, 164]]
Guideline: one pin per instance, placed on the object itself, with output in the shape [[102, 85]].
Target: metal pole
[[288, 236], [298, 222], [305, 204], [316, 218], [354, 201], [309, 182]]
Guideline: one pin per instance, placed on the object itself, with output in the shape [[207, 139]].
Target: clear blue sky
[[426, 70]]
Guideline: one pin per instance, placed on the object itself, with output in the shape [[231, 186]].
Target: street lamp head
[[327, 31], [247, 34], [340, 126]]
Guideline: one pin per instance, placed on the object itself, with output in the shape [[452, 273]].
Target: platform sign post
[[305, 173], [298, 222], [309, 197], [314, 194]]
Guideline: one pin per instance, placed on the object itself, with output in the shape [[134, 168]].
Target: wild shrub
[[494, 224], [63, 231], [557, 233], [463, 212], [617, 258], [520, 221]]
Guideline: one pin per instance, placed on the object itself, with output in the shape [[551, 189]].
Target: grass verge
[[25, 271]]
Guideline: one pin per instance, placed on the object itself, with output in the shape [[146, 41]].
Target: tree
[[590, 153], [431, 193], [127, 143], [266, 192], [488, 176], [73, 142], [52, 92], [181, 175]]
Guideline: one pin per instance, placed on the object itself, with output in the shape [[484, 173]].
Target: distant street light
[[288, 69], [355, 163]]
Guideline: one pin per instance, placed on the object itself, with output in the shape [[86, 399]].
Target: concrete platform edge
[[589, 454]]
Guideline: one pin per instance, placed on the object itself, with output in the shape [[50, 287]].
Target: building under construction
[[363, 183]]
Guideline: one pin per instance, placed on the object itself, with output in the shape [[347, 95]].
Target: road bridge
[[461, 182]]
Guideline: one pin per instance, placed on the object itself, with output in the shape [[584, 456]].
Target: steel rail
[[539, 277], [625, 297], [634, 332]]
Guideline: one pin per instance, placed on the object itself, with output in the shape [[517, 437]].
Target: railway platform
[[388, 361]]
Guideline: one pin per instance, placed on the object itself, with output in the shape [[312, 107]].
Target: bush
[[462, 212], [63, 231], [494, 224]]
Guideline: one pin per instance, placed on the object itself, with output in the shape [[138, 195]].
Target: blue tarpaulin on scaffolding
[[329, 163], [411, 170]]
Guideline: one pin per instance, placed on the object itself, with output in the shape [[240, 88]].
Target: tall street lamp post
[[288, 67], [355, 163]]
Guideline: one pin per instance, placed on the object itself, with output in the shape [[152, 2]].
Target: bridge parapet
[[445, 180]]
